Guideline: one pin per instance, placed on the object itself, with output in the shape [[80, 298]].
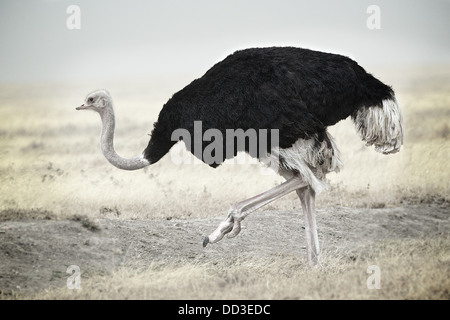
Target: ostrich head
[[99, 101]]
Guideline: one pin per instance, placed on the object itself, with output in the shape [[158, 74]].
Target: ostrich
[[299, 93]]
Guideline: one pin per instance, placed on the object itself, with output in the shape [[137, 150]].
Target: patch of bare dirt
[[35, 254]]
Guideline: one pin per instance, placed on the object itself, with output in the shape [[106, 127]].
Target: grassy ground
[[51, 166], [411, 269]]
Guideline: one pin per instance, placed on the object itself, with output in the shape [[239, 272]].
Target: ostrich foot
[[224, 227], [231, 227], [238, 211]]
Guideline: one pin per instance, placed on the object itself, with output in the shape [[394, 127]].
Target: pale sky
[[151, 38]]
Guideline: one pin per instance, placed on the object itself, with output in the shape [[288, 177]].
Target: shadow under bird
[[297, 92]]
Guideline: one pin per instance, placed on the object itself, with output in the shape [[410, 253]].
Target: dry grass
[[409, 269]]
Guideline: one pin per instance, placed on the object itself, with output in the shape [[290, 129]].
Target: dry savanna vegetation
[[59, 198]]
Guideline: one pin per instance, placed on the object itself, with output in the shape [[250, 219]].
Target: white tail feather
[[381, 126]]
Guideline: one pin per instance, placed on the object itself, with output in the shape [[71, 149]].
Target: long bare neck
[[107, 144]]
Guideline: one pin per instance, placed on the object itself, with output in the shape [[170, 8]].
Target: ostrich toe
[[224, 227], [236, 229]]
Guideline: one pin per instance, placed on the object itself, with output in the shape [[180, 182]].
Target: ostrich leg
[[238, 211], [307, 197]]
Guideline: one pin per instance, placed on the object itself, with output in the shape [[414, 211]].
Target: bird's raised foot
[[230, 227]]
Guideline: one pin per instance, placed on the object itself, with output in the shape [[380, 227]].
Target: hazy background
[[174, 38]]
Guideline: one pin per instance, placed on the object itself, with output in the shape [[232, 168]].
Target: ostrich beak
[[82, 107]]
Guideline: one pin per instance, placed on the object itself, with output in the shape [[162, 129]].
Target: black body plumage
[[297, 91]]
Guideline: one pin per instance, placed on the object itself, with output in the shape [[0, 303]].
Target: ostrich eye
[[91, 99]]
